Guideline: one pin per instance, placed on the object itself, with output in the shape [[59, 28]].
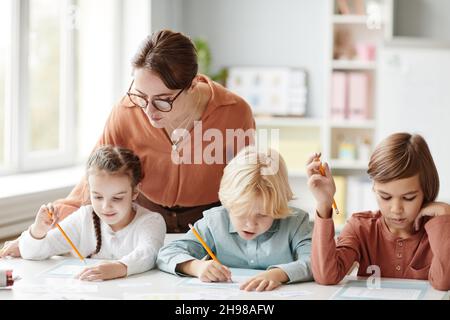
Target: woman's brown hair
[[113, 160], [403, 155], [171, 55]]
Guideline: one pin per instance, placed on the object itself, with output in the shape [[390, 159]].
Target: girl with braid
[[112, 227]]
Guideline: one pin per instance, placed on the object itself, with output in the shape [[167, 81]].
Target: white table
[[153, 284]]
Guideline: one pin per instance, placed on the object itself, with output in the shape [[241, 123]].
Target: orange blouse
[[166, 182]]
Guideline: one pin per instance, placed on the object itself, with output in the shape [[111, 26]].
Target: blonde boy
[[255, 228]]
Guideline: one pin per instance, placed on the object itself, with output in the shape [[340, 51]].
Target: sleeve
[[151, 233], [330, 262], [53, 243], [438, 231], [300, 269], [185, 249], [79, 194]]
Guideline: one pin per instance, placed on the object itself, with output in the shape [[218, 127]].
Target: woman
[[173, 119]]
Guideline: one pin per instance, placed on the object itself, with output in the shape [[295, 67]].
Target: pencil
[[211, 254], [322, 172], [50, 214], [208, 249]]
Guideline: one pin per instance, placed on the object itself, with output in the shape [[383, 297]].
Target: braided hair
[[113, 160]]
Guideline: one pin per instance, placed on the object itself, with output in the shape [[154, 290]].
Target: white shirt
[[136, 245]]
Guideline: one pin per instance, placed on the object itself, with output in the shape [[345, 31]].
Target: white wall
[[413, 96], [166, 14], [256, 33]]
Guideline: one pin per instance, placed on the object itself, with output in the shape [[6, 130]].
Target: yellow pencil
[[208, 249], [50, 214], [211, 254], [322, 172]]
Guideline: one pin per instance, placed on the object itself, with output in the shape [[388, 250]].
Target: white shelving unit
[[325, 129], [362, 29], [353, 124], [348, 165], [299, 137], [288, 122], [349, 19], [353, 65], [297, 173]]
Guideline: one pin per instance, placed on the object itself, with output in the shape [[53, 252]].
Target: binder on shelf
[[358, 96], [339, 96]]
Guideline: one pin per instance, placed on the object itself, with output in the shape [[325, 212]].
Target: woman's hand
[[265, 281], [46, 218], [212, 271], [432, 209], [322, 187], [104, 271], [10, 249]]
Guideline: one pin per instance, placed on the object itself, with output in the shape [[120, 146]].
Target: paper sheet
[[209, 294], [68, 268], [238, 276], [134, 285], [46, 288], [292, 294], [73, 296], [162, 296], [385, 293], [61, 296], [389, 290]]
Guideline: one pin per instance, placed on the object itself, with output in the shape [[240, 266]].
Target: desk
[[159, 284], [156, 284]]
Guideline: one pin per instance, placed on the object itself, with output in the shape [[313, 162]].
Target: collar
[[273, 228], [220, 96]]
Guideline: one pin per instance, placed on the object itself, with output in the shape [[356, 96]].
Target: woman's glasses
[[141, 101]]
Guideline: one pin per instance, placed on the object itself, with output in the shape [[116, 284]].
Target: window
[[44, 75], [46, 130], [104, 74], [63, 66], [97, 72], [36, 86], [4, 32]]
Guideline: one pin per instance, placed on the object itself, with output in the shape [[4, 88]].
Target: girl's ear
[[136, 191]]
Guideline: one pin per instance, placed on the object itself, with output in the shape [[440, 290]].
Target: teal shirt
[[286, 245]]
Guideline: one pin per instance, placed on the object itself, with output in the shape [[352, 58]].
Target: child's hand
[[265, 281], [322, 187], [211, 271], [46, 218], [10, 249], [104, 271], [432, 209]]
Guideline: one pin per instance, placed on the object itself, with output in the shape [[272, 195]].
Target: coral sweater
[[167, 183], [367, 240]]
